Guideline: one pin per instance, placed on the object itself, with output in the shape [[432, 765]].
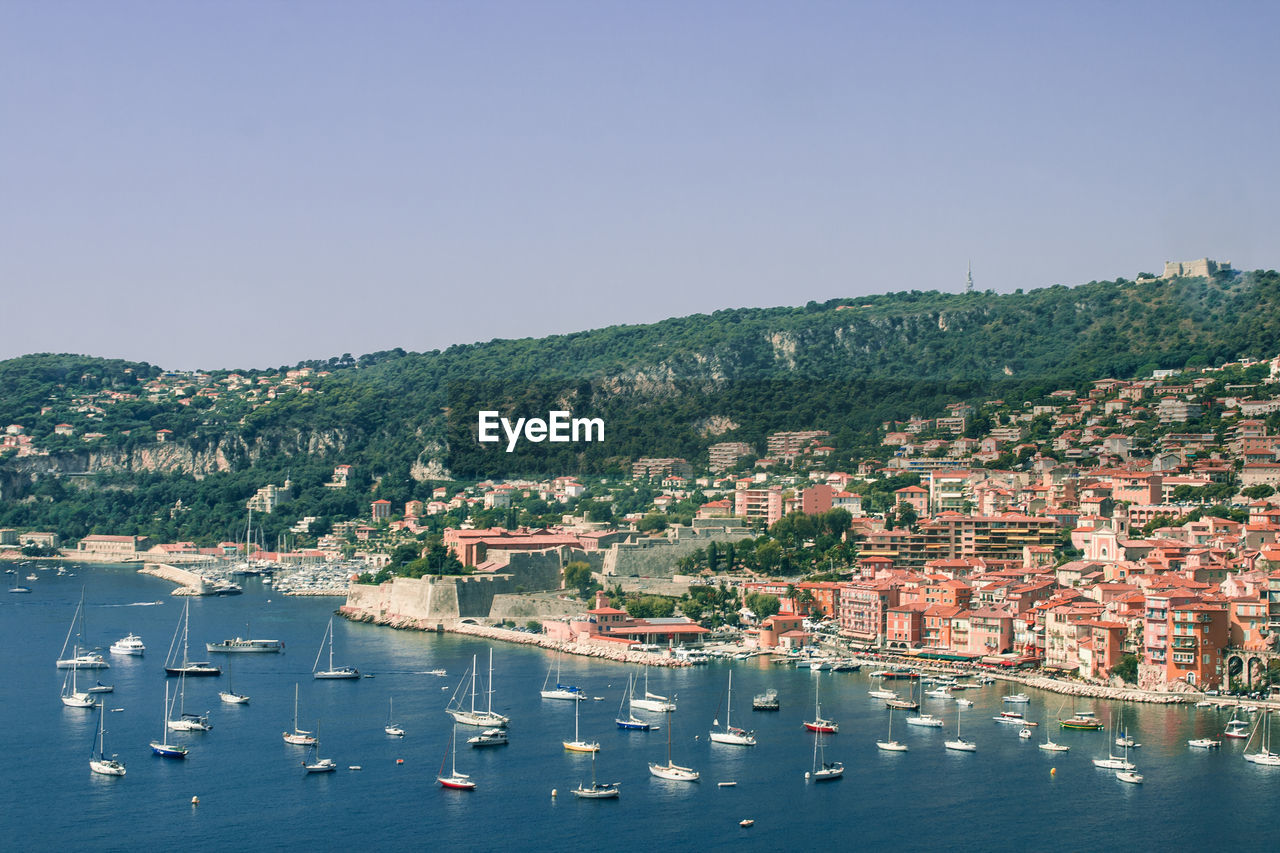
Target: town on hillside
[[1129, 533]]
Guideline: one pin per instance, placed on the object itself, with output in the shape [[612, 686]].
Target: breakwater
[[189, 583], [607, 651]]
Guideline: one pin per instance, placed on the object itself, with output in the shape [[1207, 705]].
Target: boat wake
[[135, 604]]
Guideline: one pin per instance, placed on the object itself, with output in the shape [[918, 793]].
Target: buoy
[[553, 793], [399, 761], [1053, 771], [195, 801], [806, 774]]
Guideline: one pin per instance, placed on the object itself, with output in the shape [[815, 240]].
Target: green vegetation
[[845, 366], [1127, 669]]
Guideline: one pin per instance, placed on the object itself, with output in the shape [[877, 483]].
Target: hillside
[[666, 389]]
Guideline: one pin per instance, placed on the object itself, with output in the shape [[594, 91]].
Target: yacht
[[130, 645], [1204, 743], [1013, 718], [241, 645], [925, 721], [490, 737]]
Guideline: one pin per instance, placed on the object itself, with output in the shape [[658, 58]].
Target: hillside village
[[1130, 523]]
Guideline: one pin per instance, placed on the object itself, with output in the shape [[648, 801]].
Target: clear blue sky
[[250, 184]]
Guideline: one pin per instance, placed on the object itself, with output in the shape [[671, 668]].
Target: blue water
[[254, 794]]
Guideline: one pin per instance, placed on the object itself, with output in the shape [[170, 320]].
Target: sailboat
[[1113, 761], [456, 780], [319, 765], [391, 728], [626, 719], [79, 659], [230, 696], [1264, 755], [598, 790], [1236, 727], [960, 744], [1129, 774], [823, 771], [672, 771], [172, 664], [577, 744], [72, 695], [560, 691], [331, 672], [730, 734], [652, 701], [162, 747], [891, 745], [819, 723], [187, 722], [298, 737], [98, 761], [487, 718], [1049, 745], [911, 703]]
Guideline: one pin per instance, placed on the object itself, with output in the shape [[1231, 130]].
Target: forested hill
[[667, 389]]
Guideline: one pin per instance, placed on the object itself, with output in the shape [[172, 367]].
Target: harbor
[[241, 761]]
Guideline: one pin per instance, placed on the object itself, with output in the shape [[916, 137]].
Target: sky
[[254, 184]]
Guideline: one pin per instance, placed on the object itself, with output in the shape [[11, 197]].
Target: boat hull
[[733, 738], [829, 773], [634, 725], [299, 739], [484, 719], [961, 745], [674, 772], [824, 726], [239, 646], [193, 671], [597, 792], [457, 782], [107, 767], [165, 750], [337, 674]]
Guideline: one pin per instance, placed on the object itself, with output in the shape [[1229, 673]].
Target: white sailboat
[[230, 696], [671, 771], [78, 658], [1263, 756], [960, 744], [298, 737], [391, 727], [560, 691], [731, 734], [98, 761], [577, 744], [1049, 745], [72, 695], [823, 770], [473, 716], [187, 722], [454, 779], [652, 701], [1129, 774], [318, 764], [891, 745], [1113, 761], [598, 790], [162, 747], [332, 672]]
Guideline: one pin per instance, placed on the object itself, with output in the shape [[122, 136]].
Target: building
[[270, 496], [863, 607], [98, 546], [758, 505], [647, 468], [1203, 268], [725, 455], [381, 510]]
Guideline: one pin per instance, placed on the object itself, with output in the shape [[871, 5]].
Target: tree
[[1127, 669], [1258, 492], [762, 604], [653, 522], [577, 575]]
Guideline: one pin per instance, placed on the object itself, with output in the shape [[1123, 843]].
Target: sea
[[253, 793]]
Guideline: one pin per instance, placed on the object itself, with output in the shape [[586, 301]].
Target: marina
[[242, 761]]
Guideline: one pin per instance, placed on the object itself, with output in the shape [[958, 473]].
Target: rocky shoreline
[[509, 635]]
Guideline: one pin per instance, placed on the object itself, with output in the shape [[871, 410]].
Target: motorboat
[[766, 701], [1204, 743], [1013, 718], [239, 645], [1129, 776], [1083, 720], [130, 645], [925, 721], [489, 737]]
